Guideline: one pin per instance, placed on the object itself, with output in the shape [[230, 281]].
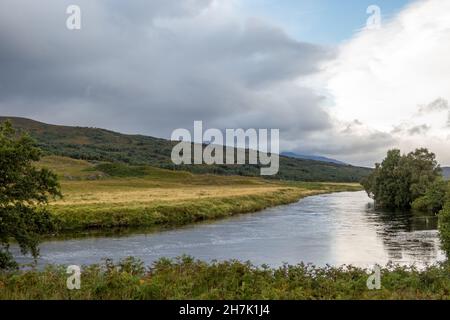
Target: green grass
[[188, 279]]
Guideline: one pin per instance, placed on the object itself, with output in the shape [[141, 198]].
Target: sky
[[309, 68], [327, 22]]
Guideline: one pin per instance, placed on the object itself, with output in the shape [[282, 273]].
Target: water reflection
[[407, 235]]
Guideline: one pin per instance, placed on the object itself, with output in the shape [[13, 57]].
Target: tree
[[434, 198], [24, 192], [424, 170], [401, 179]]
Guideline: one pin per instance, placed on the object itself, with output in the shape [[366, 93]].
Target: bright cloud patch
[[396, 79]]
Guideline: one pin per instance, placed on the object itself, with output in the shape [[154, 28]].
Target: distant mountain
[[446, 172], [311, 157], [95, 144]]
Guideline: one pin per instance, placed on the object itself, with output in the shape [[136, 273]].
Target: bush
[[121, 170], [434, 198]]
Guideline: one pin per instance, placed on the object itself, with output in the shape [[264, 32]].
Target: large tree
[[24, 192], [401, 179]]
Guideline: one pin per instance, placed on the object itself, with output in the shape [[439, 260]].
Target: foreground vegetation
[[188, 279]]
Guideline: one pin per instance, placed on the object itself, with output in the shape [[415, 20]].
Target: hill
[[96, 144], [311, 157]]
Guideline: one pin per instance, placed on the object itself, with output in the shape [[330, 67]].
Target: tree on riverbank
[[412, 180], [401, 179], [444, 223], [444, 227], [24, 192]]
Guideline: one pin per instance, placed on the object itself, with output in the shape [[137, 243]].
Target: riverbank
[[180, 212], [188, 279], [151, 197]]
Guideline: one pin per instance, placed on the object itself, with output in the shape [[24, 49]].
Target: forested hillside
[[96, 144]]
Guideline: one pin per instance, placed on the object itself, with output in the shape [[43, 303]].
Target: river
[[335, 229]]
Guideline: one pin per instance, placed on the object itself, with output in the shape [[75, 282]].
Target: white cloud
[[385, 77]]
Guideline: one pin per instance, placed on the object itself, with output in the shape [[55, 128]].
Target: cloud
[[381, 76], [153, 66], [150, 67], [352, 141], [422, 129], [437, 105]]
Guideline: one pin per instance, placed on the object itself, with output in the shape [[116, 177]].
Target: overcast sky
[[309, 68]]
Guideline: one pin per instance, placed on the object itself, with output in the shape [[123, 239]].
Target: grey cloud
[[144, 10], [125, 71], [419, 130], [397, 129], [361, 146], [405, 128], [351, 126], [354, 144], [437, 105]]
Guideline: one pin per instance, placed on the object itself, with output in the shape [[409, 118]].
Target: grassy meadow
[[104, 195]]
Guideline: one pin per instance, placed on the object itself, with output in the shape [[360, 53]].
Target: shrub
[[434, 198]]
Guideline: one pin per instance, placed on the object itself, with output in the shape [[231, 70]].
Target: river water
[[335, 229]]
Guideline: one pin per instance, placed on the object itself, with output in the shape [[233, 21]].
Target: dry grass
[[160, 194]]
